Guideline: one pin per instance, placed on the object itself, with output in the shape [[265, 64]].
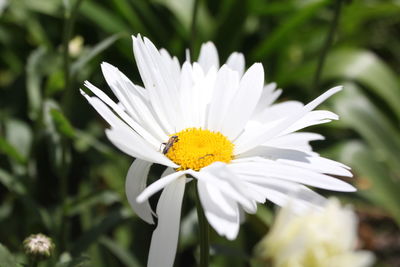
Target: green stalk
[[193, 25], [69, 22], [328, 43], [203, 232], [33, 263]]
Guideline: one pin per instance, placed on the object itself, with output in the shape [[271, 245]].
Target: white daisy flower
[[218, 125], [323, 238]]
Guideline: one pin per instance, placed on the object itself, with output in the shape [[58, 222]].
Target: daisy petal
[[247, 96], [158, 185], [298, 141], [104, 111], [222, 216], [120, 132], [281, 191], [236, 62], [268, 96], [172, 63], [216, 196], [135, 183], [281, 199], [312, 118], [158, 82], [225, 87], [164, 241], [278, 111], [263, 169], [221, 177], [310, 161], [208, 56], [121, 86], [251, 141], [136, 146], [133, 97], [132, 123]]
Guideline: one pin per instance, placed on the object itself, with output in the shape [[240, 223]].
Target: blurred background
[[60, 176]]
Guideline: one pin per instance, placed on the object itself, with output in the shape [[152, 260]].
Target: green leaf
[[181, 9], [79, 205], [366, 68], [19, 135], [33, 81], [55, 83], [84, 141], [356, 15], [382, 188], [360, 114], [188, 230], [120, 252], [94, 233], [10, 151], [61, 123], [103, 18], [93, 52], [76, 262], [130, 14], [260, 7], [279, 35], [6, 258], [12, 183], [49, 7], [265, 215], [55, 129]]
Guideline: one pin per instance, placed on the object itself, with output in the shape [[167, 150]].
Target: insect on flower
[[206, 155], [171, 141]]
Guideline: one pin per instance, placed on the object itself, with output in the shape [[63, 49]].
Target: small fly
[[171, 141], [206, 155]]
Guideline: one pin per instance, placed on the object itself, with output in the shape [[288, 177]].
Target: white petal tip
[[107, 67], [335, 89], [231, 237], [347, 188], [257, 65], [140, 198], [138, 36]]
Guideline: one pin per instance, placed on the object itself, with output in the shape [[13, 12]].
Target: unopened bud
[[38, 247], [75, 46]]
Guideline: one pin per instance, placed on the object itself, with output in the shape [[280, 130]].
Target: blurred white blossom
[[3, 5], [75, 46], [325, 238]]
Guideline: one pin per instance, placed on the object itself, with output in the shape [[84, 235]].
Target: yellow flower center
[[195, 148]]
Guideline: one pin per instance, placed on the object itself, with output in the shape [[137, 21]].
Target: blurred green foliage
[[60, 176]]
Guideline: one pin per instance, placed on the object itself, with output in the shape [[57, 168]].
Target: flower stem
[[193, 31], [203, 232], [69, 23], [327, 43], [33, 263]]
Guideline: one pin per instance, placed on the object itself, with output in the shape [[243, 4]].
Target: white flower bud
[[38, 246], [75, 46]]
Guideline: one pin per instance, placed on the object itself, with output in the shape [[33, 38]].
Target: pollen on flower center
[[195, 148]]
